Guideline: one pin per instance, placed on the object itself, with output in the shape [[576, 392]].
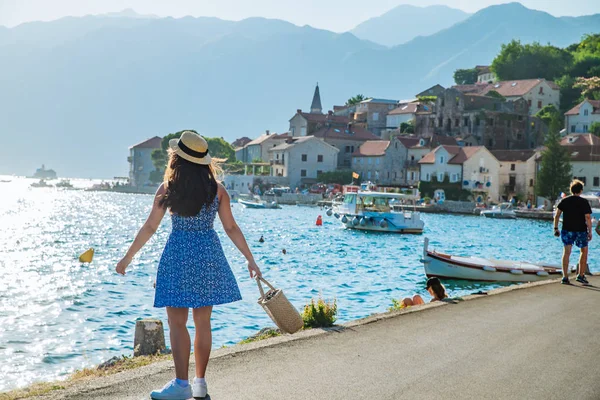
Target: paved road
[[537, 343]]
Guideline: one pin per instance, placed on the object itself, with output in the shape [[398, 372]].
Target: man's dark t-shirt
[[574, 209]]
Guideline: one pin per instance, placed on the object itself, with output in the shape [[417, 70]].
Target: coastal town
[[480, 142]]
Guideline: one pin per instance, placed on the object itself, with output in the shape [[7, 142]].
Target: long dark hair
[[189, 186], [437, 287]]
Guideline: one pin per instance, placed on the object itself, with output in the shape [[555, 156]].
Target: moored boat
[[447, 266], [502, 211], [259, 204], [378, 211], [41, 184]]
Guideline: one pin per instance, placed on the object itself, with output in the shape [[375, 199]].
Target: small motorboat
[[64, 183], [41, 184], [502, 211], [259, 204], [445, 266]]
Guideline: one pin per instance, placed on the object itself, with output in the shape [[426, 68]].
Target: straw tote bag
[[279, 308]]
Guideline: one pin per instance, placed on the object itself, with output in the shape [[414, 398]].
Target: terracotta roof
[[264, 137], [460, 154], [408, 141], [585, 153], [336, 119], [483, 69], [241, 142], [575, 110], [152, 143], [372, 148], [513, 155], [343, 132], [291, 142], [516, 88], [409, 108], [380, 101], [580, 139], [435, 141]]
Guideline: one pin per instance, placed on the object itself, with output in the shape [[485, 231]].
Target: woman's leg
[[407, 302], [417, 300], [203, 340], [180, 340]]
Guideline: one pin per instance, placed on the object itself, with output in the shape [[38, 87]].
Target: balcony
[[411, 164], [277, 162]]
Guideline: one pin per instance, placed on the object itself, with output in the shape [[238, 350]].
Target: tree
[[555, 172], [590, 87], [340, 176], [407, 127], [221, 149], [595, 128], [465, 76], [570, 96], [531, 61], [355, 100], [548, 114]]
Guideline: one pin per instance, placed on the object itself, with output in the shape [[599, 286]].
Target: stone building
[[483, 120], [372, 113], [140, 161], [302, 159], [517, 173]]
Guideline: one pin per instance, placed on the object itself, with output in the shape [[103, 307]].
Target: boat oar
[[87, 256]]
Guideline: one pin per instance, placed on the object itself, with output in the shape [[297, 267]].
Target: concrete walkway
[[536, 343]]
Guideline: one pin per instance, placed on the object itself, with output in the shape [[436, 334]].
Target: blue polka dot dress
[[193, 271]]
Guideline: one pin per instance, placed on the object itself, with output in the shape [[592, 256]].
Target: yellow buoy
[[87, 256]]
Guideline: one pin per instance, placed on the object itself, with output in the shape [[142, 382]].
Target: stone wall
[[460, 207]]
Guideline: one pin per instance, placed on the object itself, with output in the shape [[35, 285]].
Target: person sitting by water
[[436, 289], [415, 301]]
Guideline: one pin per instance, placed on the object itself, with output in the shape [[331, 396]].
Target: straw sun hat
[[192, 147]]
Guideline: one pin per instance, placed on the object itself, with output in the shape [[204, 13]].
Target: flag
[[355, 175]]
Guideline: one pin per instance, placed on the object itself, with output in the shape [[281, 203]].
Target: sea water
[[57, 315]]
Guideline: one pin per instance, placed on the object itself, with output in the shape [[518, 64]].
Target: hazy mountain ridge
[[405, 22], [84, 90]]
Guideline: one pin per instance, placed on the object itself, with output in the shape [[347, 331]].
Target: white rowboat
[[445, 266]]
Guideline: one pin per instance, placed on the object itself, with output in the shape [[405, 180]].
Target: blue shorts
[[580, 239]]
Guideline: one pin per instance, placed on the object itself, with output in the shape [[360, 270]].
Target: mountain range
[[405, 22], [75, 93]]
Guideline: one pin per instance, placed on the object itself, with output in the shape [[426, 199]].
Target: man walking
[[576, 229]]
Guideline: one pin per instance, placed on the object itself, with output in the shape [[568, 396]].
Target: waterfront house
[[302, 159], [580, 118], [418, 150], [485, 74], [257, 150], [472, 168], [338, 131], [489, 121], [516, 175], [585, 158], [538, 93], [372, 113], [140, 161]]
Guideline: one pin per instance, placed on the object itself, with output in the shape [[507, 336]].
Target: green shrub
[[320, 314], [396, 305], [264, 333]]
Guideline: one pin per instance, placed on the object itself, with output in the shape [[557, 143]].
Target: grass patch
[[264, 333], [114, 366], [319, 314]]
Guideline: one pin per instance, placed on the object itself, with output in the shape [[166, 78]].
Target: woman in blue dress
[[193, 271]]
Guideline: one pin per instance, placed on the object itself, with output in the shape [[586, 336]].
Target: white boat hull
[[395, 223], [487, 270]]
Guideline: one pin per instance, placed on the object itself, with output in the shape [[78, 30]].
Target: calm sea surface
[[57, 315]]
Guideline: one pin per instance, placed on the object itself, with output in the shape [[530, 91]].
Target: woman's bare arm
[[234, 232], [146, 231]]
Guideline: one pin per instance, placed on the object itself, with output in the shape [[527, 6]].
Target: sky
[[334, 15]]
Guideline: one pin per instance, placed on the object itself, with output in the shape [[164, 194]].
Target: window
[[377, 161], [466, 121], [347, 149], [585, 129], [361, 161], [512, 167], [303, 131], [491, 121], [427, 177], [370, 161], [320, 158], [585, 112], [319, 172], [443, 102], [541, 90], [519, 136], [283, 159], [369, 175], [412, 158], [302, 172], [440, 122], [388, 175], [491, 142], [441, 159], [440, 177], [520, 118], [304, 157], [477, 121], [596, 181], [531, 183], [396, 145], [277, 156], [572, 128], [431, 122], [355, 160], [581, 178], [293, 130], [457, 122], [376, 116], [539, 104], [352, 148], [457, 101], [529, 102]]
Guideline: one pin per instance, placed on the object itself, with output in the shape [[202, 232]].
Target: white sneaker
[[199, 390], [172, 391]]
